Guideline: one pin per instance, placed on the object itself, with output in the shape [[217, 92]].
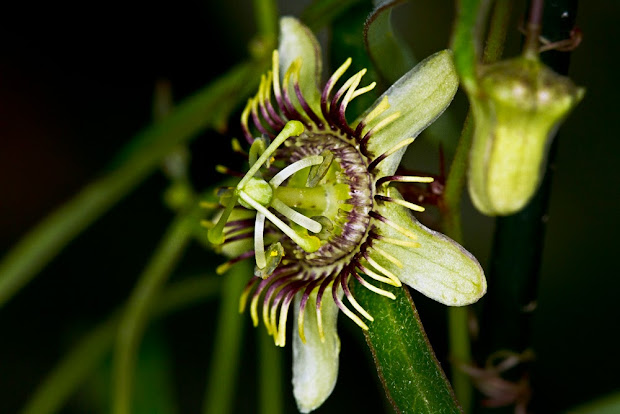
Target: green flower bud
[[517, 105]]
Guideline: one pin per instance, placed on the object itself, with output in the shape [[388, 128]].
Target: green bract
[[518, 105], [319, 212]]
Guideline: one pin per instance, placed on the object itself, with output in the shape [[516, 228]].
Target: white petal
[[440, 268], [420, 96], [297, 40], [315, 363]]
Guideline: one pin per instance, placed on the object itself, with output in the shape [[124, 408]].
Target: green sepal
[[439, 268], [420, 96]]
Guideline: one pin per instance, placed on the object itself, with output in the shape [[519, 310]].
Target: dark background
[[76, 83]]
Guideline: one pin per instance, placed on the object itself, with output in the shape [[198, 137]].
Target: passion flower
[[316, 209]]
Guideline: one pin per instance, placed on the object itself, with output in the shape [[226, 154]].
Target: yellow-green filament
[[388, 256], [407, 204], [292, 128], [381, 107], [281, 176], [308, 243], [296, 217], [360, 309], [216, 233], [392, 276], [337, 74], [380, 278], [363, 90], [259, 243], [377, 290], [403, 243]]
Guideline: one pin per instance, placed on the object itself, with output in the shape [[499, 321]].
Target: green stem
[[143, 155], [266, 13], [228, 336], [466, 37], [73, 369], [270, 375], [135, 316]]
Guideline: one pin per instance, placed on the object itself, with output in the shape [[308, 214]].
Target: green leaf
[[390, 55], [322, 12], [411, 375], [609, 404]]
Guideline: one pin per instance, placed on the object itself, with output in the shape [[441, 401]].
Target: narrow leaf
[[411, 375], [389, 54]]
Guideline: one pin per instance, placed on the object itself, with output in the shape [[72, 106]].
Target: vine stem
[[141, 157], [135, 317], [84, 357], [466, 36]]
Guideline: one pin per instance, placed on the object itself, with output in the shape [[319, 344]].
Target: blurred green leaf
[[388, 52], [142, 155], [413, 380], [610, 404], [228, 337], [72, 370], [322, 12]]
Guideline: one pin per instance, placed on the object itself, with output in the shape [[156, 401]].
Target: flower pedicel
[[316, 209]]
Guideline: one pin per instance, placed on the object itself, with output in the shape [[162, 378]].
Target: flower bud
[[517, 107]]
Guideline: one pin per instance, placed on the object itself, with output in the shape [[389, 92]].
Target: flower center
[[345, 194]]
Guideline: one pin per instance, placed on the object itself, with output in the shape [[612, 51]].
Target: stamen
[[383, 270], [319, 317], [259, 242], [275, 69], [207, 224], [289, 109], [267, 98], [262, 97], [344, 88], [280, 177], [274, 255], [330, 84], [403, 243], [377, 276], [373, 288], [296, 217], [302, 100], [381, 107], [349, 95], [388, 256], [256, 149], [347, 311], [243, 300], [222, 169], [394, 149], [223, 268], [257, 123], [393, 225], [208, 205], [308, 243], [404, 179], [363, 90], [380, 125], [352, 301], [291, 129], [406, 204], [244, 122], [216, 233], [302, 308]]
